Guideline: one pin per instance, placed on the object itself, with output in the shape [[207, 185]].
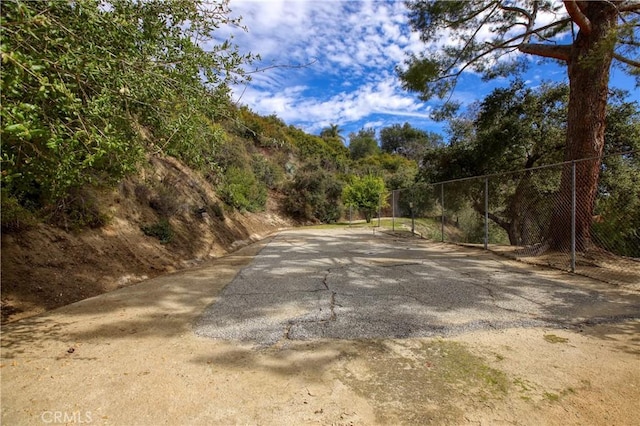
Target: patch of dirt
[[48, 267]]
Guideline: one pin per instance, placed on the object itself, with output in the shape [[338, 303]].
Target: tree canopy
[[367, 193], [363, 144], [408, 141], [486, 35]]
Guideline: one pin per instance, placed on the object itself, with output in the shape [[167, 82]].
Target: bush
[[315, 194], [242, 191], [80, 209], [161, 230], [267, 172], [218, 210], [164, 202], [15, 218], [367, 194]]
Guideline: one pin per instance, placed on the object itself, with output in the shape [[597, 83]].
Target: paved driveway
[[352, 283]]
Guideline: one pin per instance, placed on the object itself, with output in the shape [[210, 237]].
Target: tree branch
[[517, 10], [626, 60], [631, 7], [577, 16], [560, 52]]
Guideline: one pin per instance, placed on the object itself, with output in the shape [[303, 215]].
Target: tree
[[366, 194], [80, 79], [408, 141], [333, 131], [517, 128], [607, 31], [363, 144]]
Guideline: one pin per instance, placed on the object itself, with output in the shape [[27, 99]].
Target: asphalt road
[[351, 284]]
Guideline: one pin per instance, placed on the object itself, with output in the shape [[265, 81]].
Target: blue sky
[[351, 48]]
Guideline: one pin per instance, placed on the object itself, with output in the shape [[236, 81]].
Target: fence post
[[486, 213], [442, 206], [379, 209], [573, 216], [393, 210], [349, 216], [413, 223]]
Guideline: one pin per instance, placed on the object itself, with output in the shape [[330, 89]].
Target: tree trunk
[[588, 67]]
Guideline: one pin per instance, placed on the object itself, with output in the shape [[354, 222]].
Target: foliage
[[408, 141], [267, 172], [363, 144], [311, 148], [314, 194], [397, 171], [332, 132], [482, 35], [15, 218], [82, 85], [241, 190], [618, 201], [515, 128], [267, 132], [161, 230], [164, 201], [367, 194]]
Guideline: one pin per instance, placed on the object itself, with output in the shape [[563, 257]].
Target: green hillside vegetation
[[89, 92]]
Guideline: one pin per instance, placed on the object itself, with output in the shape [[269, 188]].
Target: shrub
[[314, 194], [267, 172], [80, 209], [242, 191], [366, 193], [15, 218], [218, 210], [161, 230], [164, 202]]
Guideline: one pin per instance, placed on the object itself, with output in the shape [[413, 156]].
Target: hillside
[[47, 266]]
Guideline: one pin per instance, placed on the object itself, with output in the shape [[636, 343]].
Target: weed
[[142, 193], [161, 230], [218, 210], [552, 338], [79, 209], [551, 397], [164, 202], [438, 371], [15, 218]]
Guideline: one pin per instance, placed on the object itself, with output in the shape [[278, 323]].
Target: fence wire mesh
[[581, 216]]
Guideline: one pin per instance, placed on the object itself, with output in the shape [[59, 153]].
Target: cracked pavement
[[354, 284]]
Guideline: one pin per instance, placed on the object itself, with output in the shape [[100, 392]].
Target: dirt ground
[[130, 357]]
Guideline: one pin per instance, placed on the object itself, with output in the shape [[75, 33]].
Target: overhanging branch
[[560, 52], [626, 60], [630, 7]]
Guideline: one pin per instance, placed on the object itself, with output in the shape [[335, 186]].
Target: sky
[[333, 62]]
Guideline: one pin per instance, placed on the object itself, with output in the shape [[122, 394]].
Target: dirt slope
[[47, 267]]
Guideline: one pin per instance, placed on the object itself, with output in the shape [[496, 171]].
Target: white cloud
[[356, 45]]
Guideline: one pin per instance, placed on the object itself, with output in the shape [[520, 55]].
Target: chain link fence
[[581, 216]]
